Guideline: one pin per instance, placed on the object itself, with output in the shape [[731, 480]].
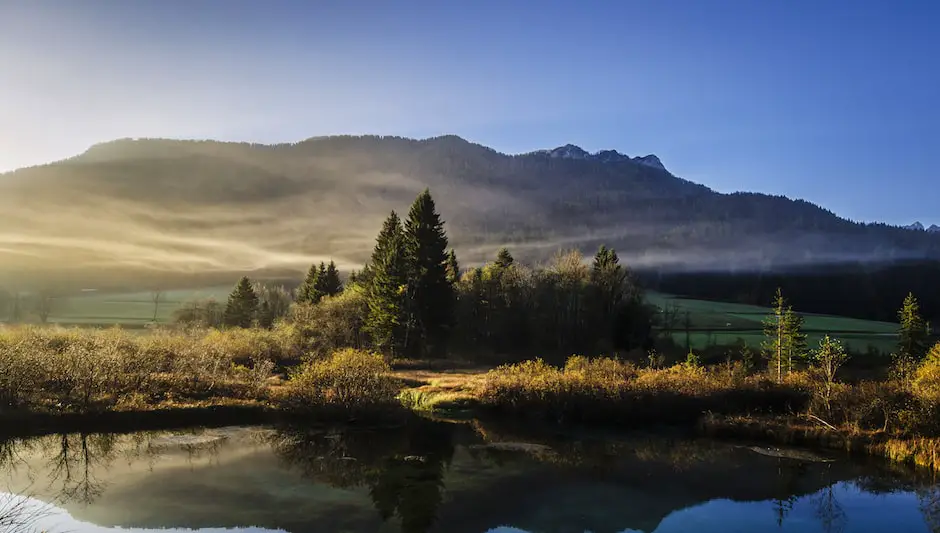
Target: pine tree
[[503, 258], [775, 335], [388, 288], [332, 285], [321, 280], [795, 346], [431, 297], [242, 305], [308, 292], [914, 334], [453, 268]]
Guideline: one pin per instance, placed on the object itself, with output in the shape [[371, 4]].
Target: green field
[[722, 323], [128, 309], [710, 323]]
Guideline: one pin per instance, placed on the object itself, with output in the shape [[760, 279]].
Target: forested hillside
[[142, 211]]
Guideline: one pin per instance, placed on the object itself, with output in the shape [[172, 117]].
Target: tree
[[503, 258], [453, 268], [43, 307], [388, 288], [331, 283], [795, 347], [431, 295], [308, 292], [784, 339], [273, 303], [914, 333], [242, 305], [156, 295], [829, 357]]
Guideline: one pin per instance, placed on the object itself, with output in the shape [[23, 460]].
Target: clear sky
[[835, 102]]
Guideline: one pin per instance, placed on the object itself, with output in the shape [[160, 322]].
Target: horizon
[[805, 101]]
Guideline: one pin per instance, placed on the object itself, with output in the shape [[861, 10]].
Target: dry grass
[[605, 390], [64, 372], [350, 381]]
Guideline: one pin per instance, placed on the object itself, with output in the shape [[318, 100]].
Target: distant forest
[[872, 292]]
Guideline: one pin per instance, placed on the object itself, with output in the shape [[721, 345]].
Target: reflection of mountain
[[35, 515], [425, 477]]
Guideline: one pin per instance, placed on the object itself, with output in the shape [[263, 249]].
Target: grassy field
[[128, 309], [722, 323], [710, 323]]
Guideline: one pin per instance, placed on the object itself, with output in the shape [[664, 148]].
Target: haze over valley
[[167, 211]]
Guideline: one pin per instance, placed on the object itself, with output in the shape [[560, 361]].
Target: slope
[[134, 210]]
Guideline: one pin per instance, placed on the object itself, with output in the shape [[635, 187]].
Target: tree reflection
[[930, 507], [403, 469], [829, 511]]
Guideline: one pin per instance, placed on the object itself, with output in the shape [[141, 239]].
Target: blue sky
[[834, 102]]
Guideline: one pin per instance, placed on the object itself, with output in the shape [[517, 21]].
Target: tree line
[[411, 299], [867, 291]]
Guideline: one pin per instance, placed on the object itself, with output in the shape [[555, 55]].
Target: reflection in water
[[404, 476], [429, 477]]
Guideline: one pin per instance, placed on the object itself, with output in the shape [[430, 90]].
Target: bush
[[926, 382], [335, 323], [611, 391], [352, 380], [88, 370]]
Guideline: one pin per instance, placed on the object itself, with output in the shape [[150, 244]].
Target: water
[[441, 477]]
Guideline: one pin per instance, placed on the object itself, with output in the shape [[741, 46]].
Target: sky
[[833, 102]]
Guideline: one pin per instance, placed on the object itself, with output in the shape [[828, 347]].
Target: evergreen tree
[[503, 258], [914, 333], [321, 280], [332, 285], [776, 336], [309, 292], [453, 268], [795, 347], [388, 288], [242, 305], [431, 295]]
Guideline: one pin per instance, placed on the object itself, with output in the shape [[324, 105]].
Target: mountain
[[917, 226], [570, 151], [130, 211], [934, 228]]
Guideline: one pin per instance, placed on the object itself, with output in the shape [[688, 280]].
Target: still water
[[443, 477]]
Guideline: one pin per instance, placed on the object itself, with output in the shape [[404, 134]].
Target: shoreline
[[784, 431]]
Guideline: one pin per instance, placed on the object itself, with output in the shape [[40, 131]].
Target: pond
[[430, 476]]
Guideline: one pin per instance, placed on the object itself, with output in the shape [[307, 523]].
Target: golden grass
[[610, 391]]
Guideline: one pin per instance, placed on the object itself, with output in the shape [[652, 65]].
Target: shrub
[[350, 379], [335, 323], [88, 370], [926, 382]]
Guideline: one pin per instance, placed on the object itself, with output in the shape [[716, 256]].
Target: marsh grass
[[86, 371], [56, 372], [605, 390]]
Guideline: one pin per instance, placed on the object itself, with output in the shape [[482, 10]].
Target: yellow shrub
[[926, 384], [349, 378]]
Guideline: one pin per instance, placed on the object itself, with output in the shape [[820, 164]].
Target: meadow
[[723, 323], [128, 309], [709, 323]]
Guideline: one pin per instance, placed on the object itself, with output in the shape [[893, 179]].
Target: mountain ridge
[[165, 206]]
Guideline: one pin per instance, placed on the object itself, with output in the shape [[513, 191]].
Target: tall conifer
[[242, 305], [332, 285], [388, 288], [914, 333], [309, 292], [431, 295]]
